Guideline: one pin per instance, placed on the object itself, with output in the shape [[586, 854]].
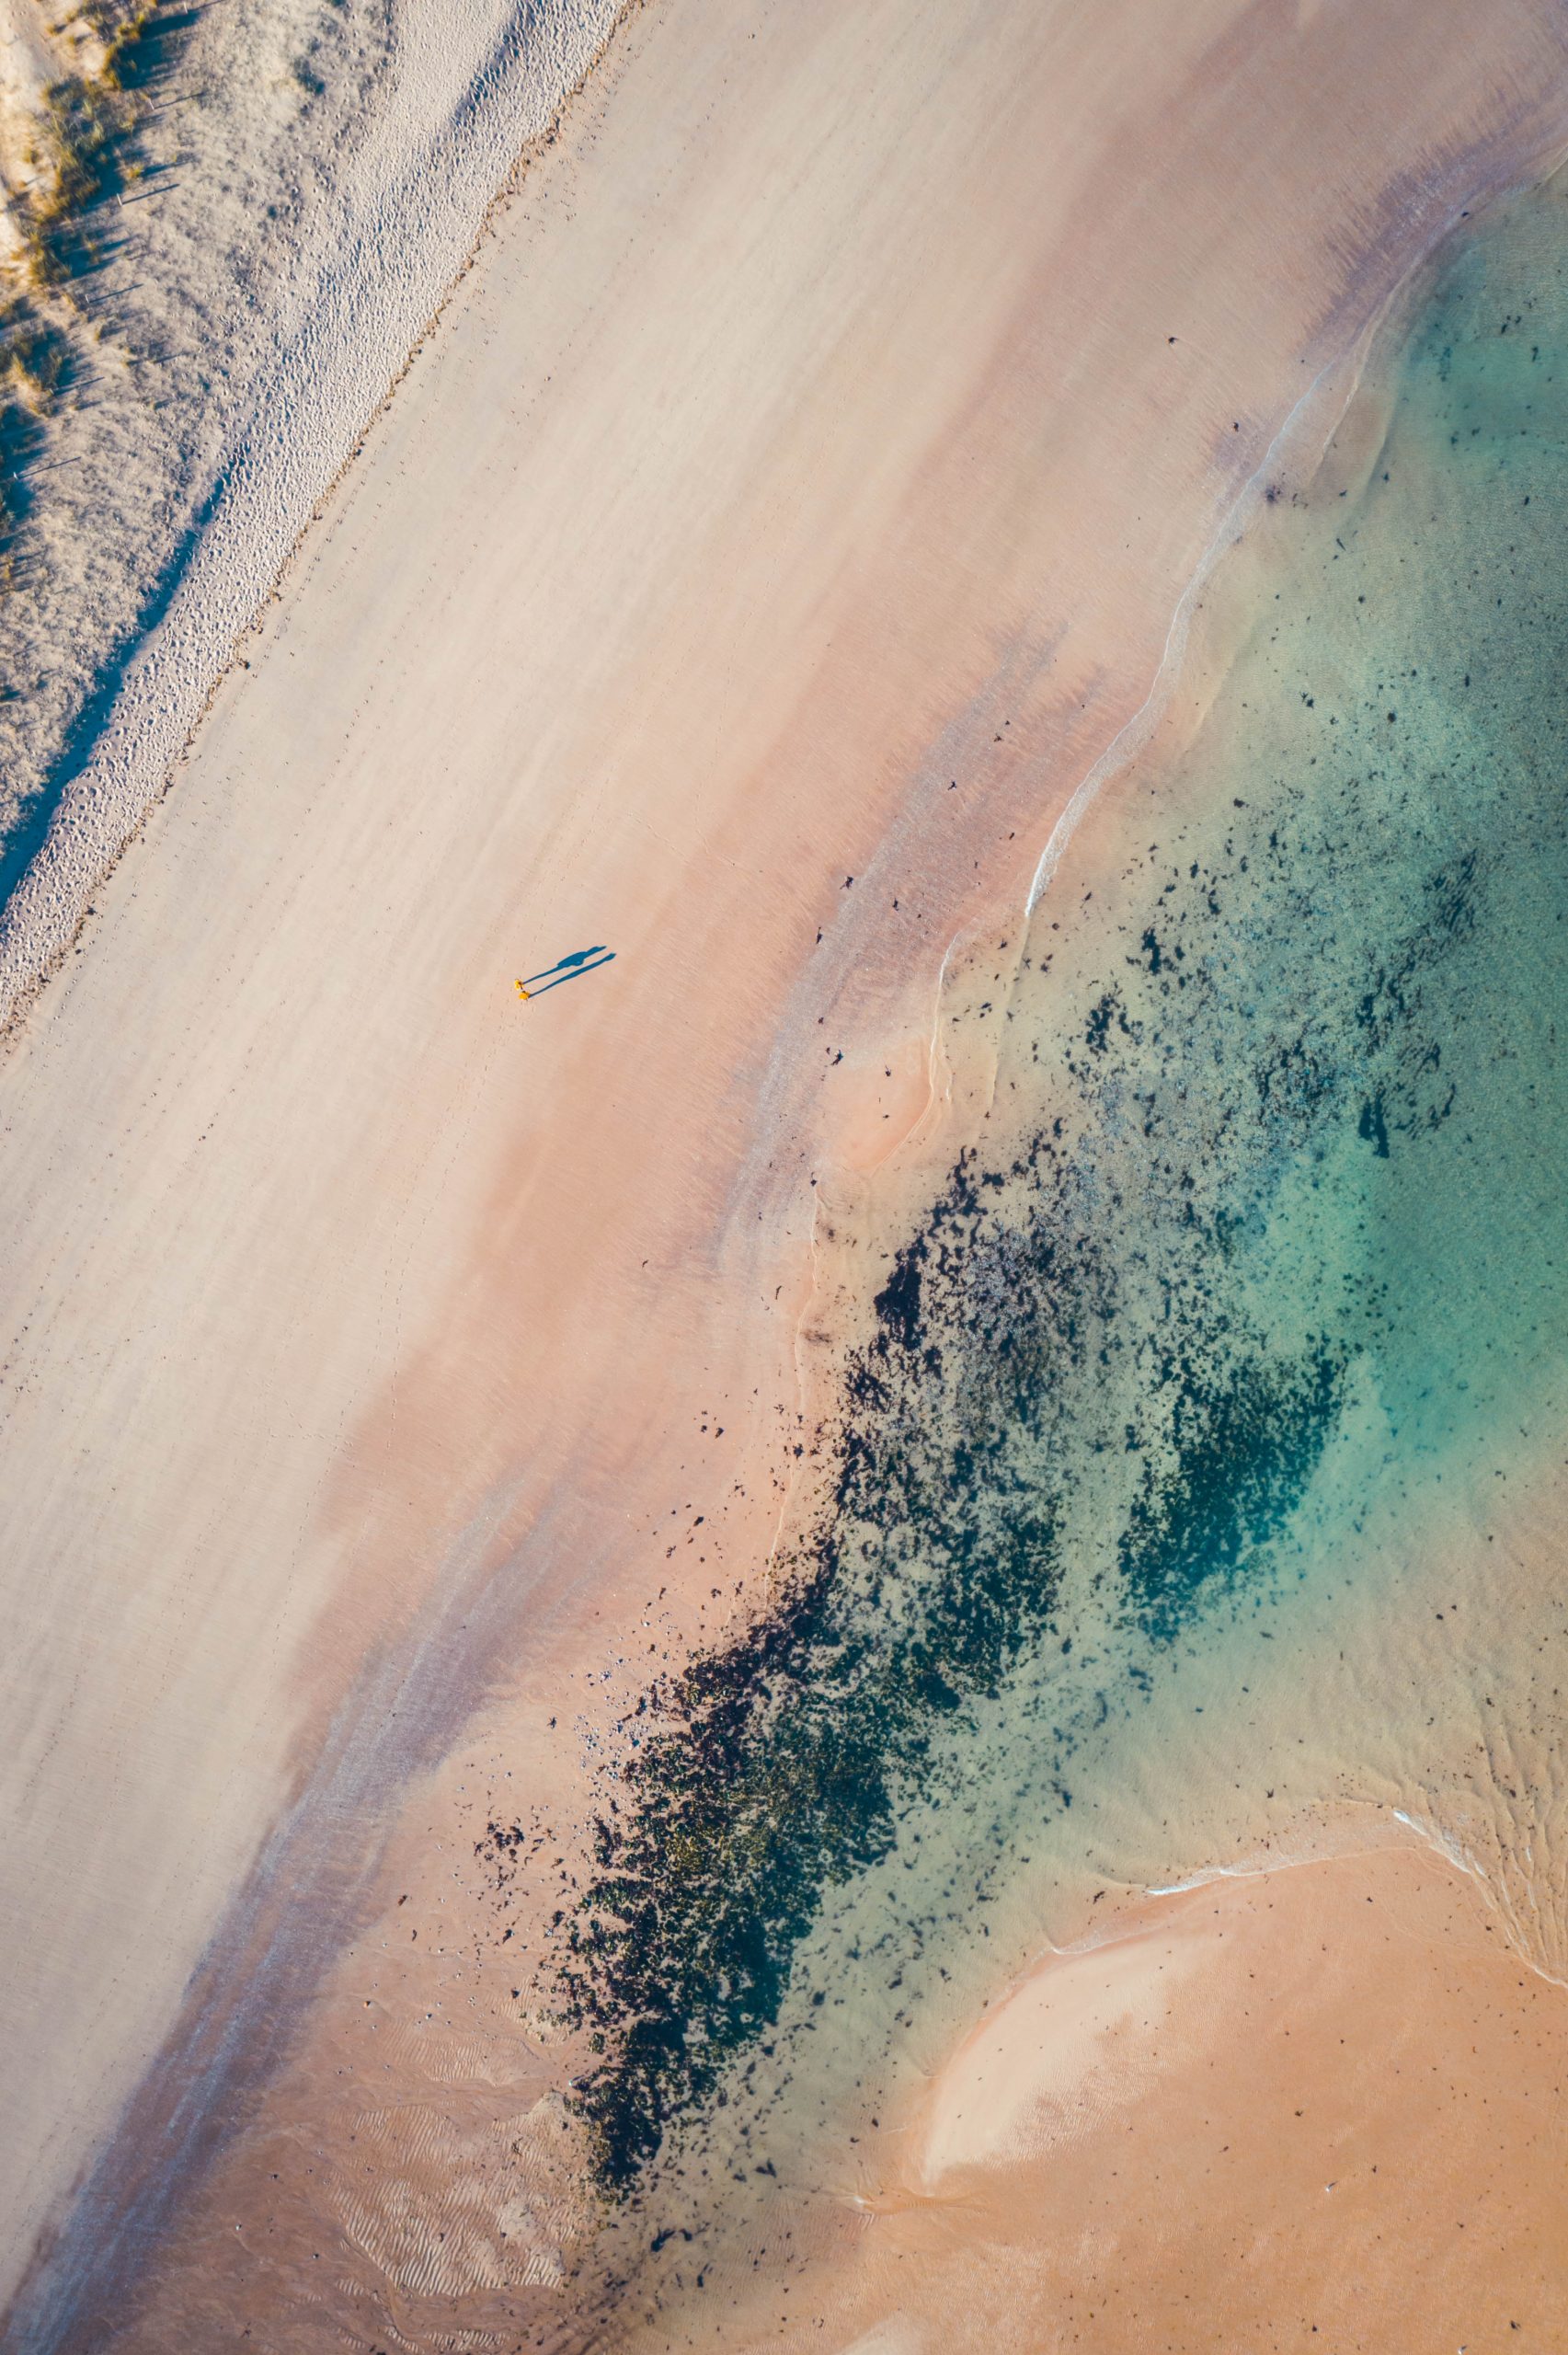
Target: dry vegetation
[[35, 362], [82, 153]]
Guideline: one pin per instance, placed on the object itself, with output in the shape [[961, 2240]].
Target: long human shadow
[[574, 974]]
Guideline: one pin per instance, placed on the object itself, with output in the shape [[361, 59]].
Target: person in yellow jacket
[[566, 969]]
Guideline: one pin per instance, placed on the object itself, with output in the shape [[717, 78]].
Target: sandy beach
[[792, 506]]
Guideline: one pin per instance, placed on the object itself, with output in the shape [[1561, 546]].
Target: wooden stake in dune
[[566, 969]]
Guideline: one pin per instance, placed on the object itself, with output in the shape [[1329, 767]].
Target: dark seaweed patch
[[898, 1304], [780, 1760], [1070, 1309], [1246, 1438], [1372, 1129], [1113, 1365]]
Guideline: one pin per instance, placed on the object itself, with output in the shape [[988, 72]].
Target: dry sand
[[792, 507]]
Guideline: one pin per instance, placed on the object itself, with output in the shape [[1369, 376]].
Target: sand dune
[[792, 507]]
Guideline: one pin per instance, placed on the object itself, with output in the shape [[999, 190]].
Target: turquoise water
[[1254, 1279]]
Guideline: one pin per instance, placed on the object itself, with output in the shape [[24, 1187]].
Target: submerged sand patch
[[1053, 2054], [1337, 2126]]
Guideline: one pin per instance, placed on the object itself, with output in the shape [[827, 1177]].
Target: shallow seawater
[[1191, 1466]]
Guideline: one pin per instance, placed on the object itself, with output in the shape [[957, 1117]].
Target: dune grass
[[87, 136]]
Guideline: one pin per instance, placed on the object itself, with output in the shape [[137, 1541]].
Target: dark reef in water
[[1302, 1078], [1074, 1305]]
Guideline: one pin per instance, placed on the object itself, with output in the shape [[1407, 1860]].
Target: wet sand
[[1316, 2106], [793, 507]]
